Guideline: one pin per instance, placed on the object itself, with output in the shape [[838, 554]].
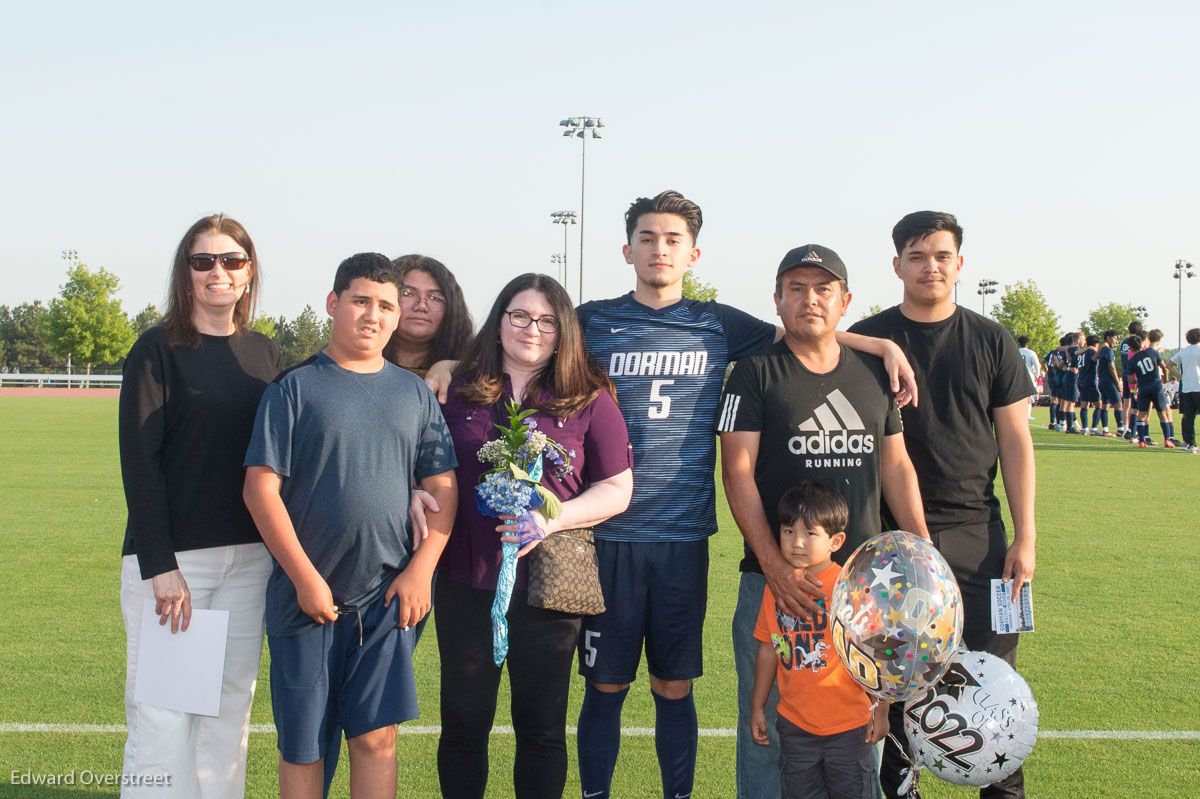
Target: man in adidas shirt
[[973, 388], [805, 409]]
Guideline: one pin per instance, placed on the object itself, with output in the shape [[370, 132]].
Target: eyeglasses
[[410, 300], [205, 261], [546, 324]]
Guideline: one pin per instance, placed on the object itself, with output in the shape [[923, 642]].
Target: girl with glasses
[[531, 350], [435, 323]]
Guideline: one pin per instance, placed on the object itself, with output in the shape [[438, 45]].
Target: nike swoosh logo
[[611, 330], [587, 795]]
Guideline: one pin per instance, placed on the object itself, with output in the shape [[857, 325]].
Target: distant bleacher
[[13, 380]]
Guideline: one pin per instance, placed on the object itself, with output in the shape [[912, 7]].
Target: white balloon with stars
[[977, 725]]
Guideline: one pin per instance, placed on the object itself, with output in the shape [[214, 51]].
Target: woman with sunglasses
[[190, 392], [531, 350], [435, 323]]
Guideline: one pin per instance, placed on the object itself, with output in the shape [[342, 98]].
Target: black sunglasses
[[205, 261]]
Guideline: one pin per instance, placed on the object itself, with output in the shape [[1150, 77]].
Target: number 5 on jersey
[[663, 408]]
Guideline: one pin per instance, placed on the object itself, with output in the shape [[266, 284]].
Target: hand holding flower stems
[[511, 491]]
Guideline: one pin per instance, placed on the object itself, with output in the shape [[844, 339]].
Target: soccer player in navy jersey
[[1148, 365], [667, 357], [1052, 378], [1129, 348], [1109, 384], [1070, 388], [1085, 382]]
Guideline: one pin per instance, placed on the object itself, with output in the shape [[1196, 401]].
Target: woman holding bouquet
[[530, 350]]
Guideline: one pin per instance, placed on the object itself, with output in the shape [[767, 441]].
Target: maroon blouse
[[596, 433]]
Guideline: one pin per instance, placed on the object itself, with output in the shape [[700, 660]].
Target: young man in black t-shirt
[[972, 412]]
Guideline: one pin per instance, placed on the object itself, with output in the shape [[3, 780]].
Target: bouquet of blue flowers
[[513, 487]]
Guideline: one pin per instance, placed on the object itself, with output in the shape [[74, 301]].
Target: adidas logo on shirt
[[829, 431], [830, 438]]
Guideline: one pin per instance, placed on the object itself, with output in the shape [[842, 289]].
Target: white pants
[[203, 756]]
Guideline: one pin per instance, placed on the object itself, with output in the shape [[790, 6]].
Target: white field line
[[718, 732]]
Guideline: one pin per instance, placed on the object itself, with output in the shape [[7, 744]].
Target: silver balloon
[[896, 615], [977, 725]]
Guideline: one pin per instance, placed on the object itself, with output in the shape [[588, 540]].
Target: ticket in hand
[[1007, 617]]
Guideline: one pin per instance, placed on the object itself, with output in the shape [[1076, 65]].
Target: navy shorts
[[1070, 390], [654, 592], [1088, 392], [1150, 397], [1130, 389], [353, 674], [1110, 393]]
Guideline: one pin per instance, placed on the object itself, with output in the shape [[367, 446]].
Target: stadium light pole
[[581, 127], [563, 218], [1182, 269], [72, 258], [560, 266], [986, 287]]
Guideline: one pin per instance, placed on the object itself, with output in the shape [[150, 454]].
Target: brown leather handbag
[[564, 574]]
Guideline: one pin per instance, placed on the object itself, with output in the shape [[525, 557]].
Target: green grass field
[[1115, 601]]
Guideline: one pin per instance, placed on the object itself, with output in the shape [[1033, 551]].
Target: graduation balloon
[[977, 725], [896, 615]]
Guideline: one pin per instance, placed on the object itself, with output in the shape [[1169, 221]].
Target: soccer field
[[1114, 602]]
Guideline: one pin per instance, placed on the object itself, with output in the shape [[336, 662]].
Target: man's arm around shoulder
[[793, 588]]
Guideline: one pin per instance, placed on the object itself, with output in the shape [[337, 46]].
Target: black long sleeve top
[[185, 421]]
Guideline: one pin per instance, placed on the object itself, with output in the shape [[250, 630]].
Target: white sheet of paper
[[1007, 617], [182, 671]]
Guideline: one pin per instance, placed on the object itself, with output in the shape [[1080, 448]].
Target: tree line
[[86, 326]]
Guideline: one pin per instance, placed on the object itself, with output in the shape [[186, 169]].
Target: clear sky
[[1062, 134]]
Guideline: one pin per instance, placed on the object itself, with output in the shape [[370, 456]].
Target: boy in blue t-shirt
[[337, 442]]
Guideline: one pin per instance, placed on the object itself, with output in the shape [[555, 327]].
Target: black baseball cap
[[813, 255]]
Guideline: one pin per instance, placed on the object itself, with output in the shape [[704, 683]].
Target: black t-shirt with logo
[[966, 366], [827, 428]]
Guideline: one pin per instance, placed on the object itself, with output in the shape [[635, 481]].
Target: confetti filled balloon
[[977, 725], [897, 615]]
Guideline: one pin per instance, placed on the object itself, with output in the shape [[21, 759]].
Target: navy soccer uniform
[[668, 365], [1085, 381], [1130, 380], [1110, 390], [1146, 365], [1052, 374], [1070, 389]]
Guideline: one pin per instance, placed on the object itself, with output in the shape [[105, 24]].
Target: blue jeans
[[757, 766]]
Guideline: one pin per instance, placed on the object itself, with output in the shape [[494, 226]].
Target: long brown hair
[[181, 331], [568, 382], [454, 333]]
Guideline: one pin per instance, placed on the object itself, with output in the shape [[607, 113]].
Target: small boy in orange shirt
[[827, 729]]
